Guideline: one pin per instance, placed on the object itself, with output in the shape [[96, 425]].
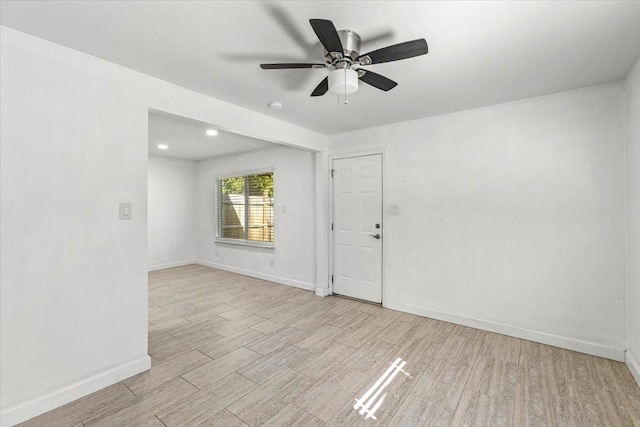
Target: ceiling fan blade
[[397, 52], [378, 81], [289, 65], [322, 88], [327, 35]]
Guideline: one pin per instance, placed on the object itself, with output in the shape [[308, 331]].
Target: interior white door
[[357, 227]]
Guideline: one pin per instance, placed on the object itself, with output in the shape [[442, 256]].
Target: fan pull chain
[[346, 101]]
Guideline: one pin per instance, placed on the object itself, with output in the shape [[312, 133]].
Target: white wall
[[511, 217], [632, 86], [294, 256], [171, 212], [69, 264], [73, 276]]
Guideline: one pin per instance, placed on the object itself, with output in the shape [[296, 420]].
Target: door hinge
[[331, 226], [332, 278], [332, 171]]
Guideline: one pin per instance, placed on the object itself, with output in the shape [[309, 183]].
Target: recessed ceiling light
[[212, 132], [163, 146], [275, 105]]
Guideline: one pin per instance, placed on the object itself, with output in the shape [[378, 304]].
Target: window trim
[[217, 211]]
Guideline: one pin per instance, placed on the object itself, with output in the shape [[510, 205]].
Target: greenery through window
[[245, 208]]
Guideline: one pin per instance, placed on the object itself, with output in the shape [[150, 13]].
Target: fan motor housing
[[350, 46]]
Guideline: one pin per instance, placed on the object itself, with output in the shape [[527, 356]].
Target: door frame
[[347, 155]]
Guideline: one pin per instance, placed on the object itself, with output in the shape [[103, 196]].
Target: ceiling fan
[[342, 56]]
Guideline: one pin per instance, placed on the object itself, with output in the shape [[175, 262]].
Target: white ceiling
[[481, 53], [187, 139]]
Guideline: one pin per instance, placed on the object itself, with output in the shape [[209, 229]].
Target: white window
[[244, 205]]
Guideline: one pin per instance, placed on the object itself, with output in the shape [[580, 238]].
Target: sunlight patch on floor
[[370, 402]]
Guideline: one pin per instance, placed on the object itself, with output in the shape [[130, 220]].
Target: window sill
[[264, 245]]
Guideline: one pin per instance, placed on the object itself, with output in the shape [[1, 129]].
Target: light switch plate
[[125, 210]]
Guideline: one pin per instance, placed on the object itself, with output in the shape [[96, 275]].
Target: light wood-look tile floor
[[229, 350]]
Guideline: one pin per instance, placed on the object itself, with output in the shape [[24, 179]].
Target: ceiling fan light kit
[[343, 81], [342, 56]]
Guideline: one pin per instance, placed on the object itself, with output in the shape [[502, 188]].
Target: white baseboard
[[322, 292], [257, 275], [633, 365], [171, 264], [32, 408], [595, 349]]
